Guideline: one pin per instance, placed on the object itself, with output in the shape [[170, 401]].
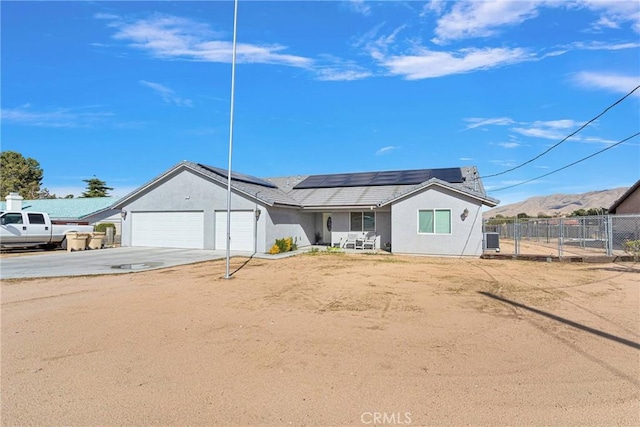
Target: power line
[[571, 164], [565, 138]]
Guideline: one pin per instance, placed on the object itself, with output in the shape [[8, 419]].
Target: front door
[[326, 228]]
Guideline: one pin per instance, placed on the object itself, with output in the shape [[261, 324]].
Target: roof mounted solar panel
[[238, 176], [366, 179]]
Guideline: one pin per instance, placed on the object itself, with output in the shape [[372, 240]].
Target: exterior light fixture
[[464, 214], [123, 214], [258, 212]]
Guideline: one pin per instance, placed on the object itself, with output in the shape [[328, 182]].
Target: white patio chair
[[369, 241], [352, 239]]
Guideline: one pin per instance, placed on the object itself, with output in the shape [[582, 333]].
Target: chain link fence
[[573, 236]]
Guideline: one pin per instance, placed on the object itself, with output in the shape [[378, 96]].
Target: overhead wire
[[570, 164], [565, 138]]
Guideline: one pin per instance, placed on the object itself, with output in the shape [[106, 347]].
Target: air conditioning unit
[[491, 242]]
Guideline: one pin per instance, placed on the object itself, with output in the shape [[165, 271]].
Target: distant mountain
[[559, 204]]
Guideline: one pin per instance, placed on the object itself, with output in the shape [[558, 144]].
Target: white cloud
[[387, 149], [466, 159], [509, 144], [468, 19], [551, 129], [430, 64], [171, 37], [539, 132], [55, 118], [596, 45], [334, 74], [331, 68], [614, 82], [613, 13], [596, 140], [168, 95], [476, 122], [481, 18], [360, 6], [504, 163], [434, 6]]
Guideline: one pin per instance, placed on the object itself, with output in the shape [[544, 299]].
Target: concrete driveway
[[105, 261]]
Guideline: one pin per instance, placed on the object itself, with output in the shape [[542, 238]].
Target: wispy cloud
[[477, 122], [465, 159], [610, 81], [553, 129], [597, 45], [168, 95], [511, 144], [471, 19], [387, 149], [331, 68], [360, 6], [175, 38], [426, 64], [56, 117], [504, 163], [613, 14], [480, 18], [336, 74]]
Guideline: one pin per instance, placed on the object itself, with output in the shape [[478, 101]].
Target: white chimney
[[14, 202]]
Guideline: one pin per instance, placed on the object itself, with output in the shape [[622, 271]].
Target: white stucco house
[[425, 211]]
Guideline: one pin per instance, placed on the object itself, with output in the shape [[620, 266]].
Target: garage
[[242, 232], [168, 229]]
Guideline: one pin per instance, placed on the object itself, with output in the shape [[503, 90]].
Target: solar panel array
[[238, 176], [365, 179]]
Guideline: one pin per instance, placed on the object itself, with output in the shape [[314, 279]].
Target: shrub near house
[[286, 244]]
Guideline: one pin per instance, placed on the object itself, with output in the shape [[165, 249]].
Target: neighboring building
[[90, 210], [628, 203], [427, 211]]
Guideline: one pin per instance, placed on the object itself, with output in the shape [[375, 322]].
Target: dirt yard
[[327, 339]]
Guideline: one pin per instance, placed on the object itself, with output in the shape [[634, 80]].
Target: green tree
[[19, 175], [522, 215], [96, 188], [45, 194]]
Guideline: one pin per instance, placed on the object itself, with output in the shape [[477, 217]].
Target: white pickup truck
[[35, 229]]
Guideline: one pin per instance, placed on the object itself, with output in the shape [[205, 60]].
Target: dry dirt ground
[[326, 339]]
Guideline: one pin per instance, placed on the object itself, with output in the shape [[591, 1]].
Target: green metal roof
[[67, 208]]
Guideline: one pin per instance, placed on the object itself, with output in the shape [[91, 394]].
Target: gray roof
[[313, 198], [269, 196], [377, 195]]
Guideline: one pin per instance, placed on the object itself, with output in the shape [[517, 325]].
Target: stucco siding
[[285, 222], [631, 204], [185, 191], [466, 234]]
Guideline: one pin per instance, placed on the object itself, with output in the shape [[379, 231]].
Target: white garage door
[[168, 229], [241, 230]]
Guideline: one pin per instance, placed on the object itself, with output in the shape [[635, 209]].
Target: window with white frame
[[362, 221], [434, 221]]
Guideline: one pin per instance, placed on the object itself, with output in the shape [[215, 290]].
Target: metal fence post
[[560, 237], [609, 233]]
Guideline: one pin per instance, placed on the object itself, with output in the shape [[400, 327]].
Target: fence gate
[[564, 237]]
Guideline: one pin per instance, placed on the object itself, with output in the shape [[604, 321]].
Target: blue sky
[[125, 90]]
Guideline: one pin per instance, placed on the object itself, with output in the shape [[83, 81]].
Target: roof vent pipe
[[14, 202]]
